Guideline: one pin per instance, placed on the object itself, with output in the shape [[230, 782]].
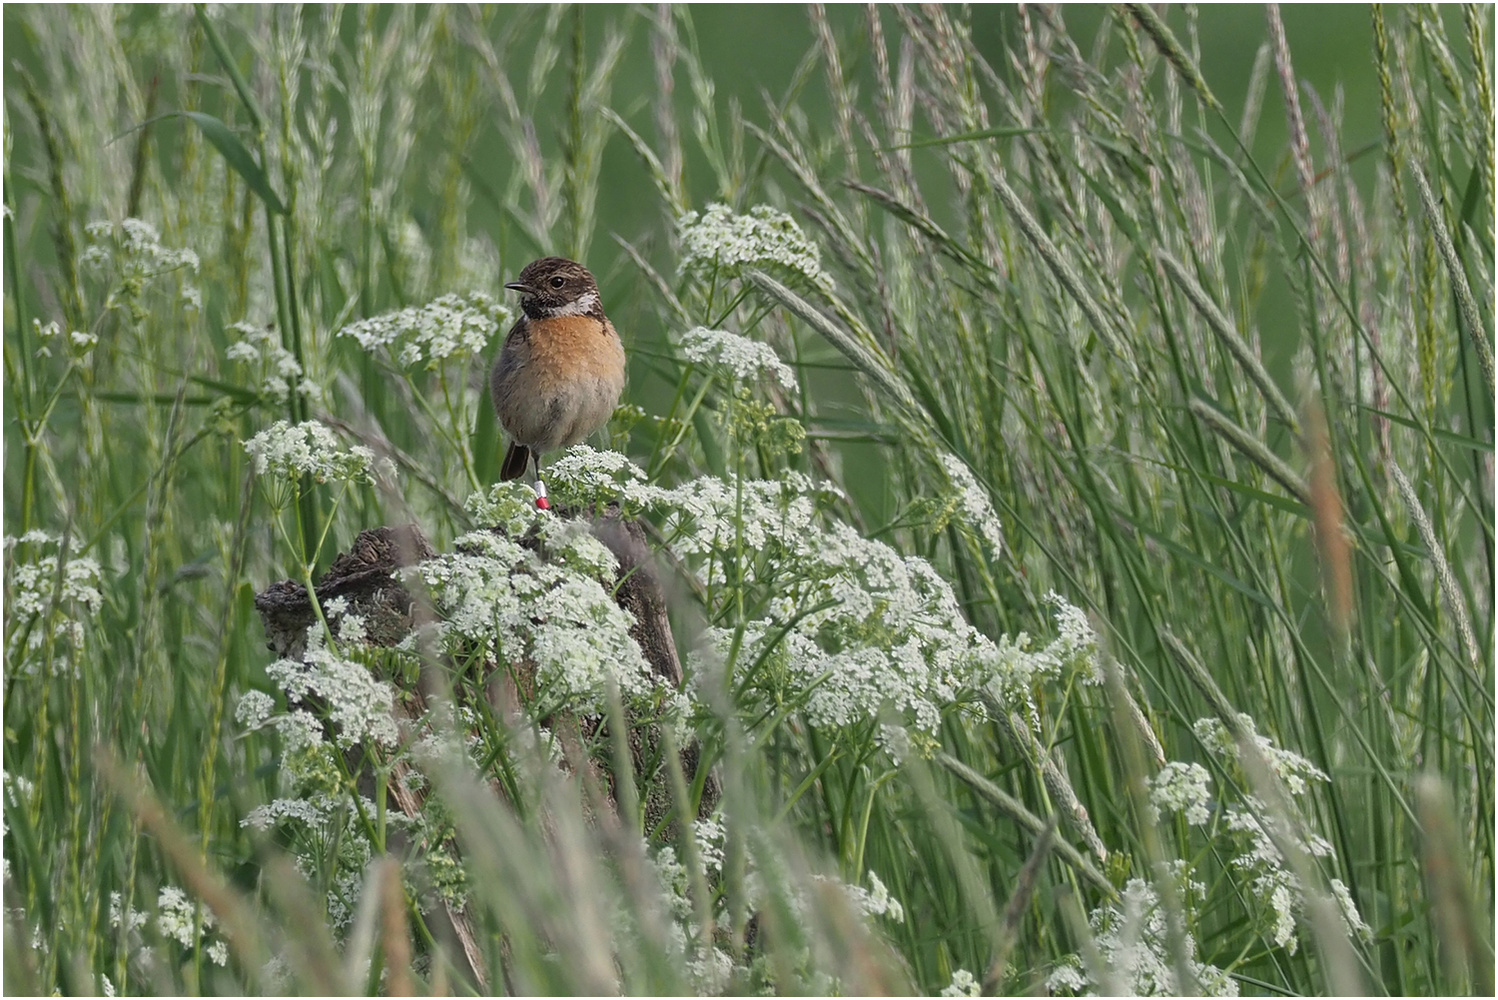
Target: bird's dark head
[[556, 286]]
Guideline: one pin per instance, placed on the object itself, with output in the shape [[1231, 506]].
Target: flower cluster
[[1271, 882], [768, 883], [590, 478], [134, 252], [1011, 668], [314, 809], [710, 518], [177, 919], [1131, 940], [852, 628], [711, 836], [16, 791], [33, 584], [278, 371], [511, 508], [76, 344], [857, 630], [1277, 889], [845, 628], [974, 505], [451, 326], [1293, 769], [59, 600], [964, 984], [136, 246], [288, 451], [128, 917], [712, 971], [322, 685], [876, 901], [1274, 886], [1182, 788], [354, 701], [735, 358], [720, 240], [515, 606]]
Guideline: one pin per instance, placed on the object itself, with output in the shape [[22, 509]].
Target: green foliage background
[[1139, 465]]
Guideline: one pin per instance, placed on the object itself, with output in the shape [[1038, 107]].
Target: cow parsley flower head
[[857, 626], [1076, 643], [736, 358], [1182, 788], [298, 729], [310, 811], [471, 585], [254, 709], [711, 837], [876, 901], [1131, 938], [450, 326], [357, 704], [765, 237], [1293, 769], [135, 246], [128, 917], [585, 477], [1271, 883], [288, 451], [583, 640], [974, 504], [259, 348], [964, 984], [1011, 668], [1349, 909], [1066, 977], [510, 507], [76, 344], [520, 607], [573, 544], [62, 599], [174, 916], [33, 584]]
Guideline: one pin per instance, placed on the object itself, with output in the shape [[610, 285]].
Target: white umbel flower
[[974, 505], [451, 326], [358, 704], [737, 358], [765, 237], [964, 984], [290, 450], [1182, 788]]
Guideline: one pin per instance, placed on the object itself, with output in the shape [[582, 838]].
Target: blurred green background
[[752, 53], [1112, 486]]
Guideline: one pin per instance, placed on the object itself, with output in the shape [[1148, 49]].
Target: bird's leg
[[541, 502]]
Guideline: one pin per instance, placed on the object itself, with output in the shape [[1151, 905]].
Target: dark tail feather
[[516, 459]]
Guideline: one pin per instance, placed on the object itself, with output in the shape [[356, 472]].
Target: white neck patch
[[581, 306]]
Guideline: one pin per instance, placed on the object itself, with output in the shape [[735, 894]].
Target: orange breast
[[568, 348]]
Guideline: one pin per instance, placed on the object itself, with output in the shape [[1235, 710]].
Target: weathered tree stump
[[367, 578]]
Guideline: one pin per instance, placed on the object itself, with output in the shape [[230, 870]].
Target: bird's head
[[556, 286]]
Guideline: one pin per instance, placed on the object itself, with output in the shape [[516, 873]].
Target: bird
[[559, 376]]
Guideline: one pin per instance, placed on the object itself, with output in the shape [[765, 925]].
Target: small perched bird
[[559, 375]]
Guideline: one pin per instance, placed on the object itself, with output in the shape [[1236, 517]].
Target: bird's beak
[[521, 287]]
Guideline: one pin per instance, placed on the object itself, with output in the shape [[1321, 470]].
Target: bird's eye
[[558, 281]]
